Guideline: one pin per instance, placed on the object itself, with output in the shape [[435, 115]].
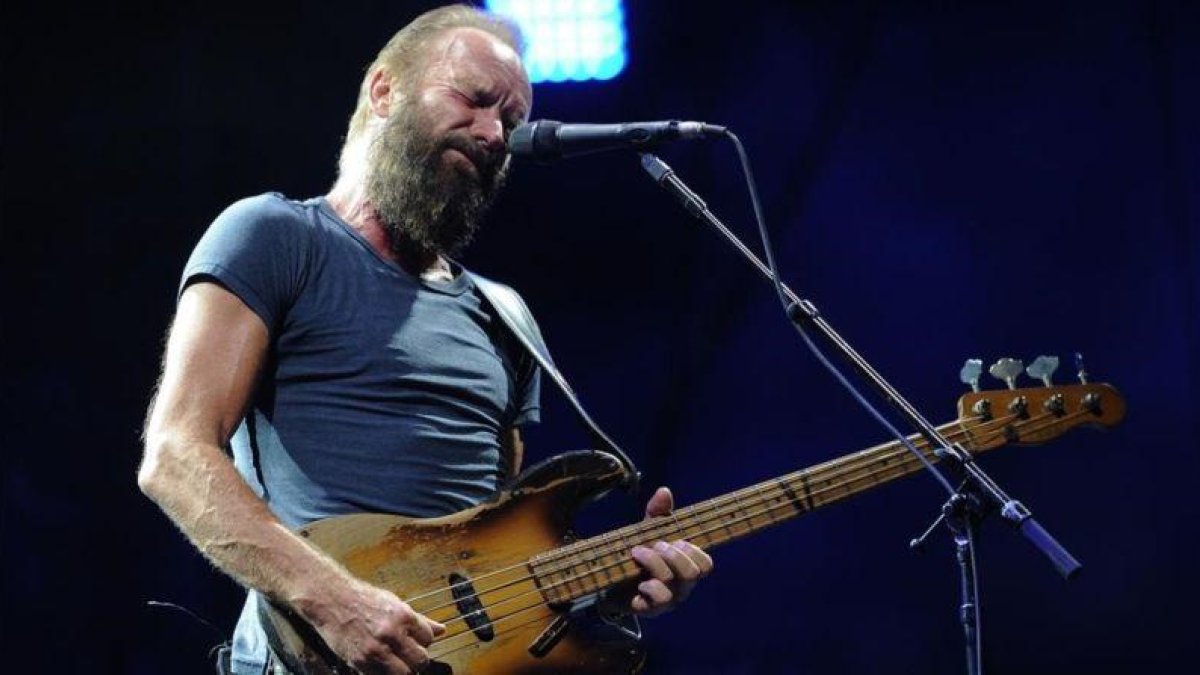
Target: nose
[[488, 130]]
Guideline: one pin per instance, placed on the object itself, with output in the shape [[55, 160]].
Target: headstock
[[1032, 415]]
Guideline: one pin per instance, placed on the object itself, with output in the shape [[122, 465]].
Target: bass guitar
[[511, 583]]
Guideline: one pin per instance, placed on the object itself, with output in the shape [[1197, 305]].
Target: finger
[[643, 606], [697, 555], [640, 605], [652, 562], [414, 655], [683, 568], [397, 666], [660, 504], [425, 629], [655, 593]]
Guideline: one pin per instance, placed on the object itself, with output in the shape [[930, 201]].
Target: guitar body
[[424, 561]]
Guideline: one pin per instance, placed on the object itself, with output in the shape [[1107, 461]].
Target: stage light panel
[[569, 39]]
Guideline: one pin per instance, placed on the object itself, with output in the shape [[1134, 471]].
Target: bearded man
[[350, 364]]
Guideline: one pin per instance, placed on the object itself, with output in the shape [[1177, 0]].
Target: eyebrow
[[514, 111]]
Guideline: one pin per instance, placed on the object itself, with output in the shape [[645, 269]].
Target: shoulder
[[270, 209], [259, 248], [267, 221]]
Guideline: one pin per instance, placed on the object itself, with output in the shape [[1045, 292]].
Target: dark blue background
[[944, 180]]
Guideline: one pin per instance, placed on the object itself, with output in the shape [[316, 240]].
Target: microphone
[[546, 141]]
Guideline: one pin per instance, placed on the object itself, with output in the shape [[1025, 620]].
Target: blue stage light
[[569, 39]]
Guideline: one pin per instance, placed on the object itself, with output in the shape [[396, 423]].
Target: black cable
[[816, 350], [159, 604], [788, 307]]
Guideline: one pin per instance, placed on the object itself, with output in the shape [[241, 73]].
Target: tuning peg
[[970, 373], [1043, 368], [1080, 370], [1007, 370]]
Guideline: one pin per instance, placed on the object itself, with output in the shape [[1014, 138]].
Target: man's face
[[440, 158]]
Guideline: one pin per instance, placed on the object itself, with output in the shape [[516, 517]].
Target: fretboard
[[591, 565]]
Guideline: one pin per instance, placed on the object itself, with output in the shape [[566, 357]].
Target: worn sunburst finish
[[491, 547], [501, 574]]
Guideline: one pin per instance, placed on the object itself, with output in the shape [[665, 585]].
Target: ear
[[379, 92]]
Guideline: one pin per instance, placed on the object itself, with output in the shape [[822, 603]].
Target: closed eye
[[482, 99]]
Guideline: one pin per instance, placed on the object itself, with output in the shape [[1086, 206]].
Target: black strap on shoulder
[[516, 315]]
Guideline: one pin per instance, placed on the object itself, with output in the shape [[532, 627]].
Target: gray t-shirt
[[382, 392]]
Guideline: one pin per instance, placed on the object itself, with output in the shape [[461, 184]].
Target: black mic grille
[[536, 139]]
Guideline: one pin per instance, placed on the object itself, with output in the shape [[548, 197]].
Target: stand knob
[[1007, 370], [970, 373], [1043, 368]]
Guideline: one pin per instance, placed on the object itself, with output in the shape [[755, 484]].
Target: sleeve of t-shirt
[[529, 394], [256, 249]]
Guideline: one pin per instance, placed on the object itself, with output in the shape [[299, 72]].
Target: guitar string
[[882, 454], [1055, 420], [506, 629], [711, 512], [556, 555], [766, 512], [542, 604], [853, 463]]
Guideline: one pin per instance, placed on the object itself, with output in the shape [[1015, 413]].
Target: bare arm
[[214, 356], [512, 450]]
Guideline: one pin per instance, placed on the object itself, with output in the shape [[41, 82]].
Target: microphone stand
[[977, 493]]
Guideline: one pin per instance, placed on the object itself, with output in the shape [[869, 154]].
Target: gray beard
[[427, 208]]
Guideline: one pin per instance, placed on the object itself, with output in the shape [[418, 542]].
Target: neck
[[348, 198], [589, 565]]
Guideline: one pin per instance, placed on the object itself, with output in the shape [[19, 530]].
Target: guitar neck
[[591, 565], [1028, 415]]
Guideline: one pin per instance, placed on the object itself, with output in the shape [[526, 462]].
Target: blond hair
[[403, 55]]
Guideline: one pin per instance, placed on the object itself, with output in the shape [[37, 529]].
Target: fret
[[624, 542], [767, 508], [667, 527], [745, 511], [605, 544], [567, 574], [729, 518], [539, 579], [706, 518], [806, 488], [626, 560], [743, 515], [590, 577], [586, 584], [792, 497], [678, 526], [620, 552], [733, 515], [758, 509], [586, 566], [769, 502], [651, 531], [694, 533]]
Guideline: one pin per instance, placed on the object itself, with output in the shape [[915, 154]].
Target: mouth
[[469, 161], [463, 163]]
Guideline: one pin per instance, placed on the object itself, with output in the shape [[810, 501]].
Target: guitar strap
[[515, 314]]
